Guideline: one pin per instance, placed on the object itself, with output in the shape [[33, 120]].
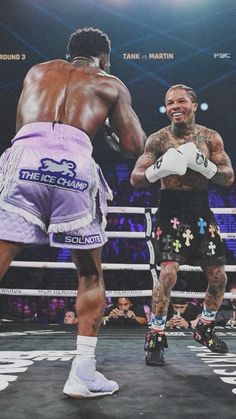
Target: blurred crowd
[[183, 313]]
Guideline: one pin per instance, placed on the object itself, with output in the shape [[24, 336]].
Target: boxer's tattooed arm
[[155, 146], [211, 144], [225, 173], [218, 155], [153, 150]]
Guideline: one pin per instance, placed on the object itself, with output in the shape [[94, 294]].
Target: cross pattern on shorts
[[212, 230], [167, 240], [158, 233], [175, 222], [201, 224], [211, 247], [177, 245], [187, 236]]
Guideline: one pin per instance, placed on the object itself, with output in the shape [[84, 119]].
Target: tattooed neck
[[183, 130]]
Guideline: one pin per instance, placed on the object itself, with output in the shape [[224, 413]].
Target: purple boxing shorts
[[51, 188]]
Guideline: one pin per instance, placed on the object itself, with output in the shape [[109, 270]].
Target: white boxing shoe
[[85, 382]]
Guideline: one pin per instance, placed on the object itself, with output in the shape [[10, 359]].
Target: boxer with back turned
[[52, 189]]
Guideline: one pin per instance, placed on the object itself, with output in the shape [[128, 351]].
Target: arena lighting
[[162, 109], [204, 106]]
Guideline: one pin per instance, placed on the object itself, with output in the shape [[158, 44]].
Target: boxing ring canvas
[[194, 383]]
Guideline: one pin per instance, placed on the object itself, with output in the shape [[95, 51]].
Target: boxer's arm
[[126, 125], [152, 152], [19, 121], [225, 173], [150, 167], [218, 167]]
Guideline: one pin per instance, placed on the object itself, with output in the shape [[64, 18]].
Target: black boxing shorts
[[186, 230]]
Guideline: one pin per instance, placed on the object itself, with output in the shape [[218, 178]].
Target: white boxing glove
[[172, 162], [197, 161]]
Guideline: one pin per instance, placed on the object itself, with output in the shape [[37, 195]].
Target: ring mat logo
[[223, 364], [15, 362]]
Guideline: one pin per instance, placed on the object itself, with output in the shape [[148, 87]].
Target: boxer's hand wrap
[[172, 162], [111, 138], [197, 161]]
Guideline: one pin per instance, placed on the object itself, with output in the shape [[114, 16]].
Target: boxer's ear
[[195, 106], [105, 63]]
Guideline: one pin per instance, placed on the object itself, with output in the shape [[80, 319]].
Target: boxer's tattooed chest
[[166, 138], [191, 180], [202, 142], [165, 142]]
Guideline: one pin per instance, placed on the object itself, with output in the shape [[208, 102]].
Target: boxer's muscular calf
[[217, 280], [90, 300], [163, 287]]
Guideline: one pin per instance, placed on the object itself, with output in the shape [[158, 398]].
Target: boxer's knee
[[168, 274], [88, 263], [216, 276]]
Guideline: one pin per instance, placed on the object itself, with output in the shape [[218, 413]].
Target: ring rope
[[116, 266], [141, 210], [142, 235], [112, 293], [108, 266]]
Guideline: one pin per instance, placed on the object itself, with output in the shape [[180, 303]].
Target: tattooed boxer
[[185, 156]]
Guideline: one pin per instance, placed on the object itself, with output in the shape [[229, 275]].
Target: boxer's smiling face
[[179, 107]]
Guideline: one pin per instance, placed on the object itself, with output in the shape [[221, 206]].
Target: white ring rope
[[105, 266], [141, 210], [108, 266], [119, 266], [114, 293], [142, 235]]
